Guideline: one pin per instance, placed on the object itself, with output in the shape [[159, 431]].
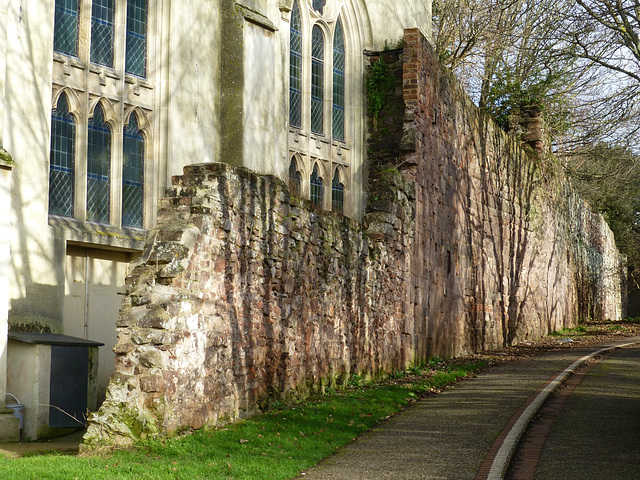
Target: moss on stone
[[6, 159]]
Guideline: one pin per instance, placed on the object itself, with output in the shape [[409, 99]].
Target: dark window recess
[[68, 389], [317, 187]]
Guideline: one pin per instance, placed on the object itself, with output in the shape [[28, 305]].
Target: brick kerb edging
[[502, 458]]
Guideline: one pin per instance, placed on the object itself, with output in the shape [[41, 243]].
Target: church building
[[103, 101]]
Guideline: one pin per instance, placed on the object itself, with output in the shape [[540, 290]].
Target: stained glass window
[[295, 178], [98, 168], [337, 194], [132, 175], [338, 82], [295, 68], [136, 55], [62, 160], [65, 29], [102, 32], [317, 80], [317, 188]]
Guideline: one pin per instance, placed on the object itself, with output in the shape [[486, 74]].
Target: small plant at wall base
[[379, 85]]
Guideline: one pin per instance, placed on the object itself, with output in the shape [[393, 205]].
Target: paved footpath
[[447, 436]]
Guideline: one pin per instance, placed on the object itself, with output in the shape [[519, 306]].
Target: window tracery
[[62, 163], [98, 167], [100, 140], [322, 129]]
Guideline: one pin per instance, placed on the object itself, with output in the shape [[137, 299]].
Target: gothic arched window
[[325, 129], [295, 178], [295, 68], [337, 117], [62, 160], [317, 80], [98, 168], [337, 194], [317, 187], [132, 174]]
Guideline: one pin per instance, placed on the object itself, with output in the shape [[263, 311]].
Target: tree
[[506, 54], [608, 176]]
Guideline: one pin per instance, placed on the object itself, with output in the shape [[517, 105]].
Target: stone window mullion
[[84, 33], [120, 34], [80, 201], [116, 172]]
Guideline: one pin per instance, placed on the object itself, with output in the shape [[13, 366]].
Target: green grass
[[277, 445], [570, 332]]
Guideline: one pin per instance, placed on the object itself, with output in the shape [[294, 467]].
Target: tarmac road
[[597, 434], [448, 436]]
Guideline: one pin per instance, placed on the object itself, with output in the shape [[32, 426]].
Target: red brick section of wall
[[245, 293]]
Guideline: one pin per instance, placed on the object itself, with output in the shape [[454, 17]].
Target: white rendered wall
[[5, 261], [27, 112], [190, 68], [389, 19]]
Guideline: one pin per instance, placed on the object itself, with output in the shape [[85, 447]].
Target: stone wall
[[246, 293]]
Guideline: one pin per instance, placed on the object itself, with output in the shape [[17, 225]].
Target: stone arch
[[144, 126], [73, 102], [109, 111]]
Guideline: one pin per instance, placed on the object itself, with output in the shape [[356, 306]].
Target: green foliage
[[379, 85], [511, 93], [570, 332], [279, 444], [608, 176]]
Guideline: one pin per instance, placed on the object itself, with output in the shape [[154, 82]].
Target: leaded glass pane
[[295, 178], [132, 175], [136, 55], [98, 168], [337, 120], [295, 68], [317, 188], [62, 160], [65, 28], [102, 32], [317, 80], [337, 194]]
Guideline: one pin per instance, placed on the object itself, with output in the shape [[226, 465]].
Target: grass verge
[[277, 445]]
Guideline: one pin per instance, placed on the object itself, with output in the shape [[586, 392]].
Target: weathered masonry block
[[246, 293]]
